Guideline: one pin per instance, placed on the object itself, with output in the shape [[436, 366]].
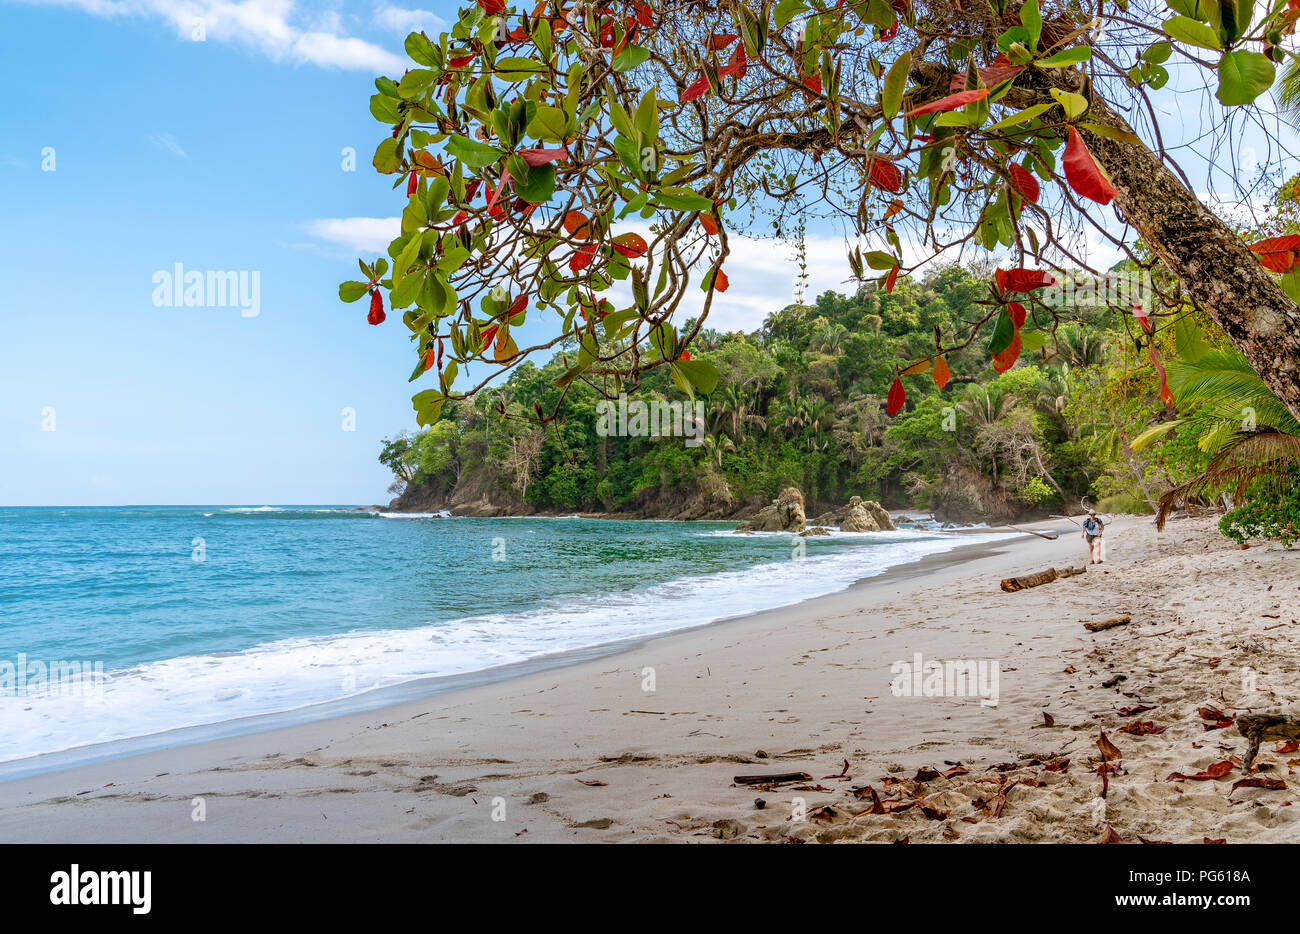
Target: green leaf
[[515, 68], [895, 81], [702, 375], [1032, 20], [1243, 76], [1186, 29], [1111, 132], [387, 157], [471, 153], [1033, 340], [535, 183], [549, 124], [1066, 57], [1003, 333], [630, 57], [1073, 104], [351, 291], [682, 199], [1158, 52], [787, 10], [420, 49], [1023, 116], [428, 406]]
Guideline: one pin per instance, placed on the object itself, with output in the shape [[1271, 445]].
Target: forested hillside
[[802, 402]]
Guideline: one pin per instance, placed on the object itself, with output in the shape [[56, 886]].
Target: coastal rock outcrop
[[858, 515], [783, 514], [814, 530]]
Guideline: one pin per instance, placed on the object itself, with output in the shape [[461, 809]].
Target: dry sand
[[585, 754]]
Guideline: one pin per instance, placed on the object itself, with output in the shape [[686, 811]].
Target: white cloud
[[405, 21], [358, 234], [167, 143], [275, 28]]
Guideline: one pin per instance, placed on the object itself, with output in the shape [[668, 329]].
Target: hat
[[1092, 512]]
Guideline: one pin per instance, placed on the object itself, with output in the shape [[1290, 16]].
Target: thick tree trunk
[[1214, 264]]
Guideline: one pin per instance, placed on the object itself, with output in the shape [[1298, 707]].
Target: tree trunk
[[1215, 266]]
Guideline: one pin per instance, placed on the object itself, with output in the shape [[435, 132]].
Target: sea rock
[[784, 514], [814, 530], [859, 515]]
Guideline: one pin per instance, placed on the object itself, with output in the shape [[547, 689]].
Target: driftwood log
[[1258, 728], [1122, 620], [1012, 584], [779, 778]]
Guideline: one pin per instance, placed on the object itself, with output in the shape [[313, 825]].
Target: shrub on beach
[[1271, 512]]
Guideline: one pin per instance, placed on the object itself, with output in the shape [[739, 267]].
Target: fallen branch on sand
[[1012, 584], [1122, 620], [779, 778], [1260, 727]]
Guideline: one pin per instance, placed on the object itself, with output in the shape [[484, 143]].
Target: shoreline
[[586, 753], [425, 688]]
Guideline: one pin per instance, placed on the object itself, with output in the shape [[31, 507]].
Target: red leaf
[[720, 281], [951, 102], [518, 305], [709, 223], [1007, 359], [412, 183], [461, 61], [719, 41], [684, 355], [738, 64], [1142, 728], [376, 315], [941, 372], [644, 14], [697, 88], [1083, 173], [993, 74], [884, 174], [1017, 313], [897, 396], [1022, 280], [1218, 770], [582, 258], [1278, 254], [577, 225], [813, 83], [630, 245], [1023, 181], [891, 279], [543, 156], [486, 335], [1166, 396], [492, 7]]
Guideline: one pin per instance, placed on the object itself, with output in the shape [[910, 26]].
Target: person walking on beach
[[1092, 529]]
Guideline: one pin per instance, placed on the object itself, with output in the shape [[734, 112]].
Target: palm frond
[[1225, 379], [1267, 455]]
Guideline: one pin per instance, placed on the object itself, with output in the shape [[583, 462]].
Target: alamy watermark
[[31, 677], [953, 677], [655, 418], [1114, 290], [212, 288]]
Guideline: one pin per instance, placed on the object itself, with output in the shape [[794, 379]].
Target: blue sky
[[220, 154]]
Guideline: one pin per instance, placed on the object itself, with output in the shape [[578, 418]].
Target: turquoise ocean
[[204, 615]]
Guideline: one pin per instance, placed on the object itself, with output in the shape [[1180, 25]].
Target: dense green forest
[[1083, 414], [802, 403]]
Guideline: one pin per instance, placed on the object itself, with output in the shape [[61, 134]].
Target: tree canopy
[[588, 162]]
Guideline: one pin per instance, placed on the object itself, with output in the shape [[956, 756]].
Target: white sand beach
[[585, 754]]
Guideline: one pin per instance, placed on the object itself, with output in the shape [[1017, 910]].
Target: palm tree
[[1237, 419], [1078, 347], [715, 446], [733, 405]]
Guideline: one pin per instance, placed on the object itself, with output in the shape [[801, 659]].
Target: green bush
[[1272, 511]]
